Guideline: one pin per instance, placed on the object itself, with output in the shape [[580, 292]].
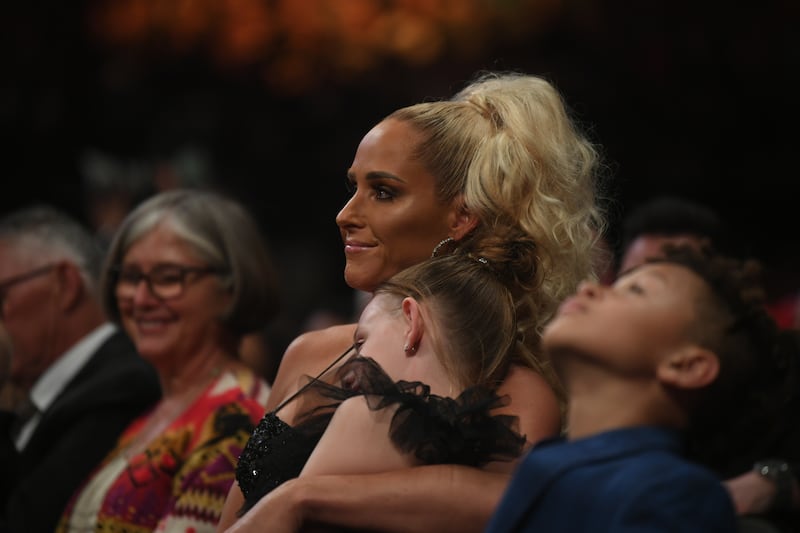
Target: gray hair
[[223, 234], [53, 235]]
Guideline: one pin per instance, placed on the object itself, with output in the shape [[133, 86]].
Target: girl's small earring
[[409, 349]]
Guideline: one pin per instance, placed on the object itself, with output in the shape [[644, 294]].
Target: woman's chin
[[151, 351], [360, 281]]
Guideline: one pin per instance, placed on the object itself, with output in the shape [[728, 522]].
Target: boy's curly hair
[[734, 419]]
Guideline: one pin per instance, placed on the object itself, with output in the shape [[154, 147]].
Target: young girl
[[431, 349]]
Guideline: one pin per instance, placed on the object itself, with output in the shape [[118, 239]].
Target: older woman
[[186, 276]]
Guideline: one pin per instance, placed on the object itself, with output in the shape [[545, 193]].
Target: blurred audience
[[112, 187], [80, 378], [673, 219], [660, 220], [785, 307], [187, 276]]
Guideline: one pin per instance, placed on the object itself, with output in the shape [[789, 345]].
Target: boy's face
[[631, 326]]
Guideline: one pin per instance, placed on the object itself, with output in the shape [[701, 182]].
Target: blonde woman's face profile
[[393, 219]]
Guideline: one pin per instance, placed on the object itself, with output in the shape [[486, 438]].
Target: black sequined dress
[[437, 430]]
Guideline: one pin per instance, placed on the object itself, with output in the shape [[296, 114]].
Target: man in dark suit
[[74, 381]]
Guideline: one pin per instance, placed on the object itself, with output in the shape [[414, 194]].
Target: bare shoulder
[[533, 401], [357, 442], [307, 355]]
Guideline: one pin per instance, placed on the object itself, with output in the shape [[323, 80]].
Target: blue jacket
[[631, 479]]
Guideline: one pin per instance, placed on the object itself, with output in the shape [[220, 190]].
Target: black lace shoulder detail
[[437, 430]]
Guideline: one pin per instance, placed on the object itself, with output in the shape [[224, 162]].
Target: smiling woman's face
[[172, 330], [394, 219]]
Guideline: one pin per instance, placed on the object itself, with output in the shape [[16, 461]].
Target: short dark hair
[[673, 215]]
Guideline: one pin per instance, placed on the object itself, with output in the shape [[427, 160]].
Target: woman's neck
[[198, 371]]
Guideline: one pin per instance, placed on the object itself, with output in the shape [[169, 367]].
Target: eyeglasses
[[20, 278], [165, 281]]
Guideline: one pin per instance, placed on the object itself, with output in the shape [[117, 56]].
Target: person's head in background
[[48, 287], [113, 186], [667, 220], [187, 275], [501, 157]]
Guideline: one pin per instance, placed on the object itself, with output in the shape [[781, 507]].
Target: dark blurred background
[[268, 99]]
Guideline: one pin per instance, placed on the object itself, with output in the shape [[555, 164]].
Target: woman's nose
[[143, 294], [348, 215]]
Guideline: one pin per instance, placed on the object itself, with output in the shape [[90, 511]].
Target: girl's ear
[[415, 326], [692, 367]]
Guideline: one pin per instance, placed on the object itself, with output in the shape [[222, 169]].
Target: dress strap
[[304, 387]]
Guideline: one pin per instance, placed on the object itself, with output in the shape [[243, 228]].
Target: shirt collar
[[55, 378]]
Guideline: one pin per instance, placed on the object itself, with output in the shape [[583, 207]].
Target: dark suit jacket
[[624, 480], [73, 436]]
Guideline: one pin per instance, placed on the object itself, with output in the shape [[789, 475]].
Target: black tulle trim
[[435, 429]]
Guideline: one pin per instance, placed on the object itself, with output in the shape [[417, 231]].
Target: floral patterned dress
[[180, 481]]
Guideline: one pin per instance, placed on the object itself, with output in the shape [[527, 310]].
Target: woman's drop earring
[[439, 246]]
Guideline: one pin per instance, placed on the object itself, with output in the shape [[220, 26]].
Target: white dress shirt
[[52, 382]]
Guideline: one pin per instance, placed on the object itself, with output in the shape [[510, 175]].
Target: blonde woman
[[502, 157]]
